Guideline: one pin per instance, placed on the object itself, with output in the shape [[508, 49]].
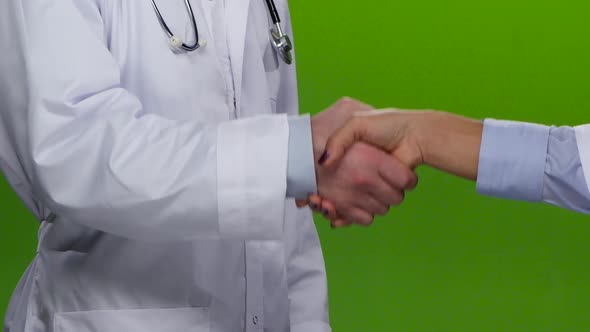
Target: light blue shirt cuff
[[565, 181], [301, 180], [512, 160]]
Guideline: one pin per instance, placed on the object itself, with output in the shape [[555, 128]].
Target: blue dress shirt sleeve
[[301, 180], [531, 162]]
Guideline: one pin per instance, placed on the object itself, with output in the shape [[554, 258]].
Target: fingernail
[[323, 157], [313, 206]]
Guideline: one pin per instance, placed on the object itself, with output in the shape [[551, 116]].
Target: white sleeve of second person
[[97, 160], [532, 162]]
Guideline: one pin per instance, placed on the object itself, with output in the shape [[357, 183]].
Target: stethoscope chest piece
[[282, 44], [278, 38]]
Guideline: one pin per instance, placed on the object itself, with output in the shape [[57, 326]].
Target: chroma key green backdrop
[[447, 260]]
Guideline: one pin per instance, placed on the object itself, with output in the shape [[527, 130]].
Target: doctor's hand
[[366, 181]]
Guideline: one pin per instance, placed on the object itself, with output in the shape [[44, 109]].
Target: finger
[[358, 216], [340, 141], [346, 103], [408, 156], [329, 210], [315, 202], [363, 107], [340, 223], [371, 205], [381, 209], [397, 174], [388, 195], [301, 203], [385, 194]]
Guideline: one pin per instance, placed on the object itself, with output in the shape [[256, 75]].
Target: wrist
[[450, 143], [428, 133], [318, 138], [318, 145]]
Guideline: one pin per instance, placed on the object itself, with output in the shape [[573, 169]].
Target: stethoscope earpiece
[[177, 43]]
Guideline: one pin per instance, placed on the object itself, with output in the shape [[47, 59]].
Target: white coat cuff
[[251, 177], [315, 326], [512, 160], [301, 180]]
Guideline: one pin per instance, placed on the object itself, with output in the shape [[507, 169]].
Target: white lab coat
[[171, 213], [583, 140]]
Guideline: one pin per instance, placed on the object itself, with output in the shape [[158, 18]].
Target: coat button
[[254, 319]]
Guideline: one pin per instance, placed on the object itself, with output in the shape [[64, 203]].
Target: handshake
[[365, 159]]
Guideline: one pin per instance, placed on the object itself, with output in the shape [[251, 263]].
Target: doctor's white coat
[[167, 181]]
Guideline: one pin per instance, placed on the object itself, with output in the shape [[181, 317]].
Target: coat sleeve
[[536, 163], [98, 160]]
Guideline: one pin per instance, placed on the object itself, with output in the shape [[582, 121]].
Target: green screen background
[[447, 260]]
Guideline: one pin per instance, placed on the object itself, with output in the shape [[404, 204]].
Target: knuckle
[[366, 222], [346, 99], [360, 180], [406, 180], [383, 211], [398, 198], [345, 211], [344, 102], [413, 182], [357, 122]]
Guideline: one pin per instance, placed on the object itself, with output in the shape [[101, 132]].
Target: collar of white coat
[[237, 11], [583, 140]]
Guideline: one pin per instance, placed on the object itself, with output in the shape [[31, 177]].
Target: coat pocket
[[134, 320]]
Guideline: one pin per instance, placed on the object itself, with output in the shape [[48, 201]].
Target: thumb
[[340, 141], [407, 156]]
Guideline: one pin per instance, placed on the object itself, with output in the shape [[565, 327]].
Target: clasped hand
[[364, 182]]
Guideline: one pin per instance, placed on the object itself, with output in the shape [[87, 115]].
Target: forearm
[[450, 143]]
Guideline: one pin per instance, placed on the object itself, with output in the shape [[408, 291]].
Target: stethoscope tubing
[[189, 8], [280, 41]]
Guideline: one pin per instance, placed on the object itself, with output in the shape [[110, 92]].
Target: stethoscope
[[281, 42]]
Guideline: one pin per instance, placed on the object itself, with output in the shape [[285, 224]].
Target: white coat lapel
[[238, 11]]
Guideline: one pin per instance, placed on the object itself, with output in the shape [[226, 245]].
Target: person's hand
[[328, 121], [444, 141], [389, 130], [366, 181], [333, 118]]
